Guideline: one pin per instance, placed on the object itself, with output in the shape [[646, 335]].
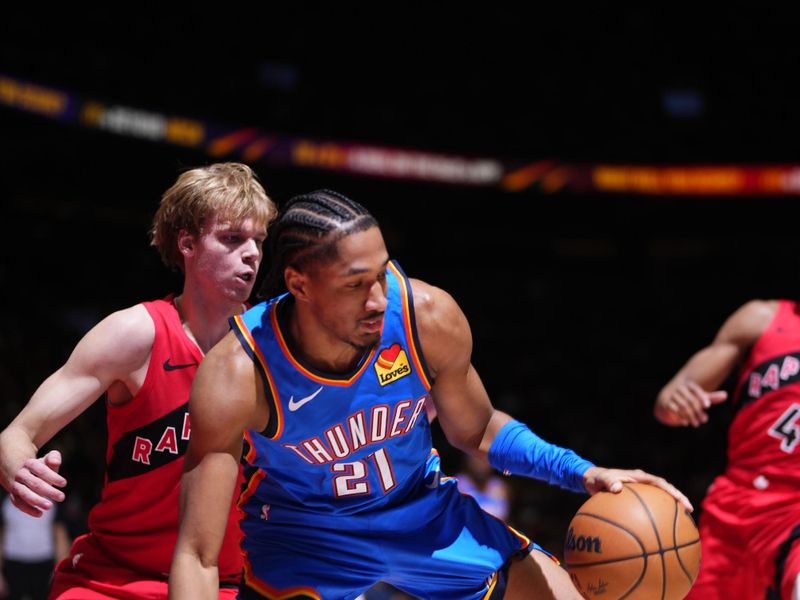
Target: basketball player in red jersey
[[211, 224], [750, 524]]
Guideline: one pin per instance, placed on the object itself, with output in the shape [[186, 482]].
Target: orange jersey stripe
[[488, 593], [251, 487], [271, 593], [415, 355], [251, 454], [525, 541]]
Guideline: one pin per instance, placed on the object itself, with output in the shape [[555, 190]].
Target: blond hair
[[229, 191]]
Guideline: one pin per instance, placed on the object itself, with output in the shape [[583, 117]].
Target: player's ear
[[296, 283], [186, 243]]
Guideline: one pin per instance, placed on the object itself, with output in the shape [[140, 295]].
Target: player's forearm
[[517, 450], [190, 580], [499, 418], [206, 494]]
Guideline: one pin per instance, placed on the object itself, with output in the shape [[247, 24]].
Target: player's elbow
[[471, 444], [191, 557]]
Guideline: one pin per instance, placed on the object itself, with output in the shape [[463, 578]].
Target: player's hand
[[599, 479], [36, 484], [688, 404]]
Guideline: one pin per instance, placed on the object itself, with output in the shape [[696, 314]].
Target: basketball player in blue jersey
[[330, 383]]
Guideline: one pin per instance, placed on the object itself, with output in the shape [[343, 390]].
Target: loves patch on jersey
[[392, 364]]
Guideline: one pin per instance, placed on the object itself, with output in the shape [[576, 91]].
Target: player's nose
[[377, 300], [251, 251]]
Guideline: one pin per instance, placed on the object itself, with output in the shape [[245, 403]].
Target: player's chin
[[367, 340], [239, 294]]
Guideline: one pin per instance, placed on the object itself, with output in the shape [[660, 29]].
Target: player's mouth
[[246, 277], [372, 324]]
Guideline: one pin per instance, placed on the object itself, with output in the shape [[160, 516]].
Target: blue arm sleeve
[[517, 450]]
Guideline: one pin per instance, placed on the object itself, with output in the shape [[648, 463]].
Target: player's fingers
[[644, 477], [36, 490], [699, 393], [690, 407], [697, 400], [612, 479], [40, 469], [674, 404], [27, 501], [53, 460], [718, 396], [25, 507]]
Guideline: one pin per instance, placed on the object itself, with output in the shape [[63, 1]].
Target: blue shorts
[[454, 555]]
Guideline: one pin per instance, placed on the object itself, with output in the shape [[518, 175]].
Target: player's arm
[[112, 350], [223, 403], [461, 403], [466, 415], [470, 422], [686, 398]]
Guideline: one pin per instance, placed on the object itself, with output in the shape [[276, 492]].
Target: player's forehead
[[360, 252], [248, 224]]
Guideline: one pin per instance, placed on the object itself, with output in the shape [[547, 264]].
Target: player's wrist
[[517, 450]]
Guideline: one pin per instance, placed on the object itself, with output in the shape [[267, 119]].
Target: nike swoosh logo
[[293, 406], [169, 367]]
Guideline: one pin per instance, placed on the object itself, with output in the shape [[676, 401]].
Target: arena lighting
[[253, 145]]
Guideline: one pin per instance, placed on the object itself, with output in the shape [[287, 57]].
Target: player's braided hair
[[307, 231]]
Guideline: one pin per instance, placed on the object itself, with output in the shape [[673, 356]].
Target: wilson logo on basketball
[[392, 364], [582, 543]]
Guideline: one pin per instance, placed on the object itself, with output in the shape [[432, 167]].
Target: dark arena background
[[598, 189]]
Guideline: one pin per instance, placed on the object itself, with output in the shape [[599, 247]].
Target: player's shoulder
[[440, 322], [131, 330], [749, 321], [134, 320], [429, 296], [117, 346], [229, 356], [757, 310], [432, 303], [226, 388]]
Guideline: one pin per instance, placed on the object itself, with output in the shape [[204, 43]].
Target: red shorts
[[750, 542], [87, 574]]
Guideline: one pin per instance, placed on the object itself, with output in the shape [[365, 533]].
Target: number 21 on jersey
[[353, 478]]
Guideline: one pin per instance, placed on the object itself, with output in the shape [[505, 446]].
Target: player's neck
[[318, 348], [205, 321]]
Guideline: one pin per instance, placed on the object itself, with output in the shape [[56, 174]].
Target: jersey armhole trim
[[274, 427]]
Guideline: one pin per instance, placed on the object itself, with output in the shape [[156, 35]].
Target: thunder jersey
[[764, 435], [136, 520], [355, 446]]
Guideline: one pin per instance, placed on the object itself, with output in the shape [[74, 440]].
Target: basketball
[[639, 544]]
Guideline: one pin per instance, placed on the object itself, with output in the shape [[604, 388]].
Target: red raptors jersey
[[136, 521], [764, 436]]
